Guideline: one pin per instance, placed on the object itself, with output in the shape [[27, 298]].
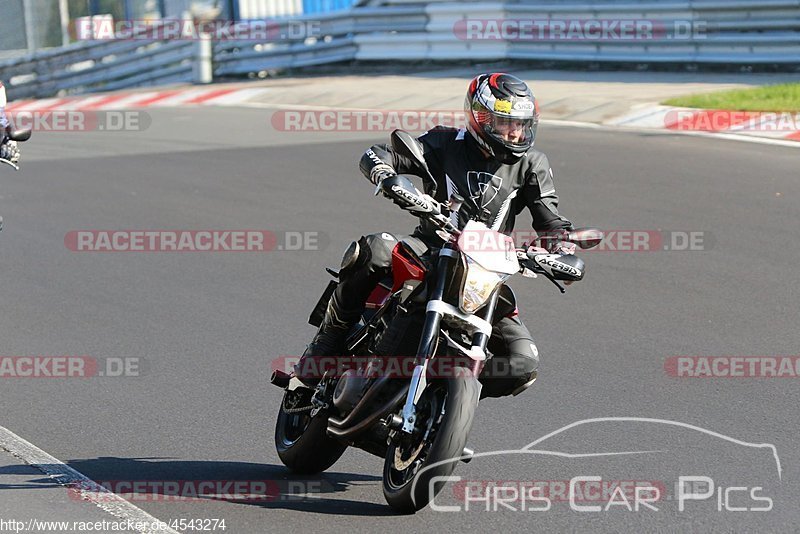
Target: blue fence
[[326, 6], [135, 9]]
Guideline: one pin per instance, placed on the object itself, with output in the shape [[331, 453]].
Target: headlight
[[478, 286]]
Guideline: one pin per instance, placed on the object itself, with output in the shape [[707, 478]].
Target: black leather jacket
[[493, 193]]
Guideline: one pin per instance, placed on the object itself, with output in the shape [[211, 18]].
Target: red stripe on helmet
[[493, 79]]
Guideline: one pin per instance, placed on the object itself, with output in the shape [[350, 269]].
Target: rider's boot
[[329, 340]]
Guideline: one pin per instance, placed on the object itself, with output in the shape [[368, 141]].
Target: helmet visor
[[509, 130]]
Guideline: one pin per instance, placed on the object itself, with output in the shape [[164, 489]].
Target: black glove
[[9, 151], [561, 247], [554, 245]]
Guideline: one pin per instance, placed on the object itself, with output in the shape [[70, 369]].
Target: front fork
[[448, 256]]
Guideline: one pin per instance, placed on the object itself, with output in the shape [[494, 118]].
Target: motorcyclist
[[493, 166], [8, 149]]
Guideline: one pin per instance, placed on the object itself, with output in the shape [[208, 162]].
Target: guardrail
[[92, 66], [737, 32], [323, 39]]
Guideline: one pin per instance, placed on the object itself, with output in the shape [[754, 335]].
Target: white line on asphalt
[[657, 131], [67, 476], [650, 111], [575, 124], [559, 122]]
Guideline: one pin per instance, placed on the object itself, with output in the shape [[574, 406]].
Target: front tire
[[445, 414], [302, 441]]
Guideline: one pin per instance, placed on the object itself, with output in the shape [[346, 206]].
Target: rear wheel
[[301, 440], [445, 414]]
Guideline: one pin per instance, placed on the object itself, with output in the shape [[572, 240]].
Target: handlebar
[[404, 194], [553, 266], [443, 221]]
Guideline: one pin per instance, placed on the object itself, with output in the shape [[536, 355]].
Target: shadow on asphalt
[[26, 470], [142, 480]]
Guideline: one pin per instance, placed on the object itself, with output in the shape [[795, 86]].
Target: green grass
[[784, 97]]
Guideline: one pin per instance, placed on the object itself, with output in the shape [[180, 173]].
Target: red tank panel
[[405, 266]]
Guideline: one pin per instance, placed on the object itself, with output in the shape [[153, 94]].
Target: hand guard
[[554, 246]]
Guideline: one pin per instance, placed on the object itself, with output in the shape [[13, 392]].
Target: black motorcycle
[[433, 309]]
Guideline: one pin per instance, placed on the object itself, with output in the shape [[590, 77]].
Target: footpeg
[[467, 455]]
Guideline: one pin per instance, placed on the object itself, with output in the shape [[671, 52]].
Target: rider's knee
[[513, 372], [355, 257], [380, 246], [370, 254]]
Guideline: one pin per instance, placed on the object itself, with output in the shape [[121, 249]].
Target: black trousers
[[515, 357]]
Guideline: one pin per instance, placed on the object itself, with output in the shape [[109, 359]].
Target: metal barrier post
[[203, 62]]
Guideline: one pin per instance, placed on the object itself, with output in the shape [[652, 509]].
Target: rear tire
[[450, 406], [303, 443]]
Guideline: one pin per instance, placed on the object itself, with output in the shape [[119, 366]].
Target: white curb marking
[[67, 476]]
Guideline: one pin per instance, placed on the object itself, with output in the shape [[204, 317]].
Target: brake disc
[[402, 465]]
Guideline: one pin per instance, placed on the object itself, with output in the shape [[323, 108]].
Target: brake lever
[[559, 286], [16, 167], [522, 255]]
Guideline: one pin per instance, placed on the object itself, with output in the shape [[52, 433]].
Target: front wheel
[[302, 441], [445, 414]]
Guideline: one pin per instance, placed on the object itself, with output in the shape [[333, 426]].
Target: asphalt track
[[206, 326]]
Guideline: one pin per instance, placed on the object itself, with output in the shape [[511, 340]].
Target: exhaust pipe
[[280, 379], [350, 432]]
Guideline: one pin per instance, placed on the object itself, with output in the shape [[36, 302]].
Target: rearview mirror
[[18, 135], [404, 144], [586, 237]]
